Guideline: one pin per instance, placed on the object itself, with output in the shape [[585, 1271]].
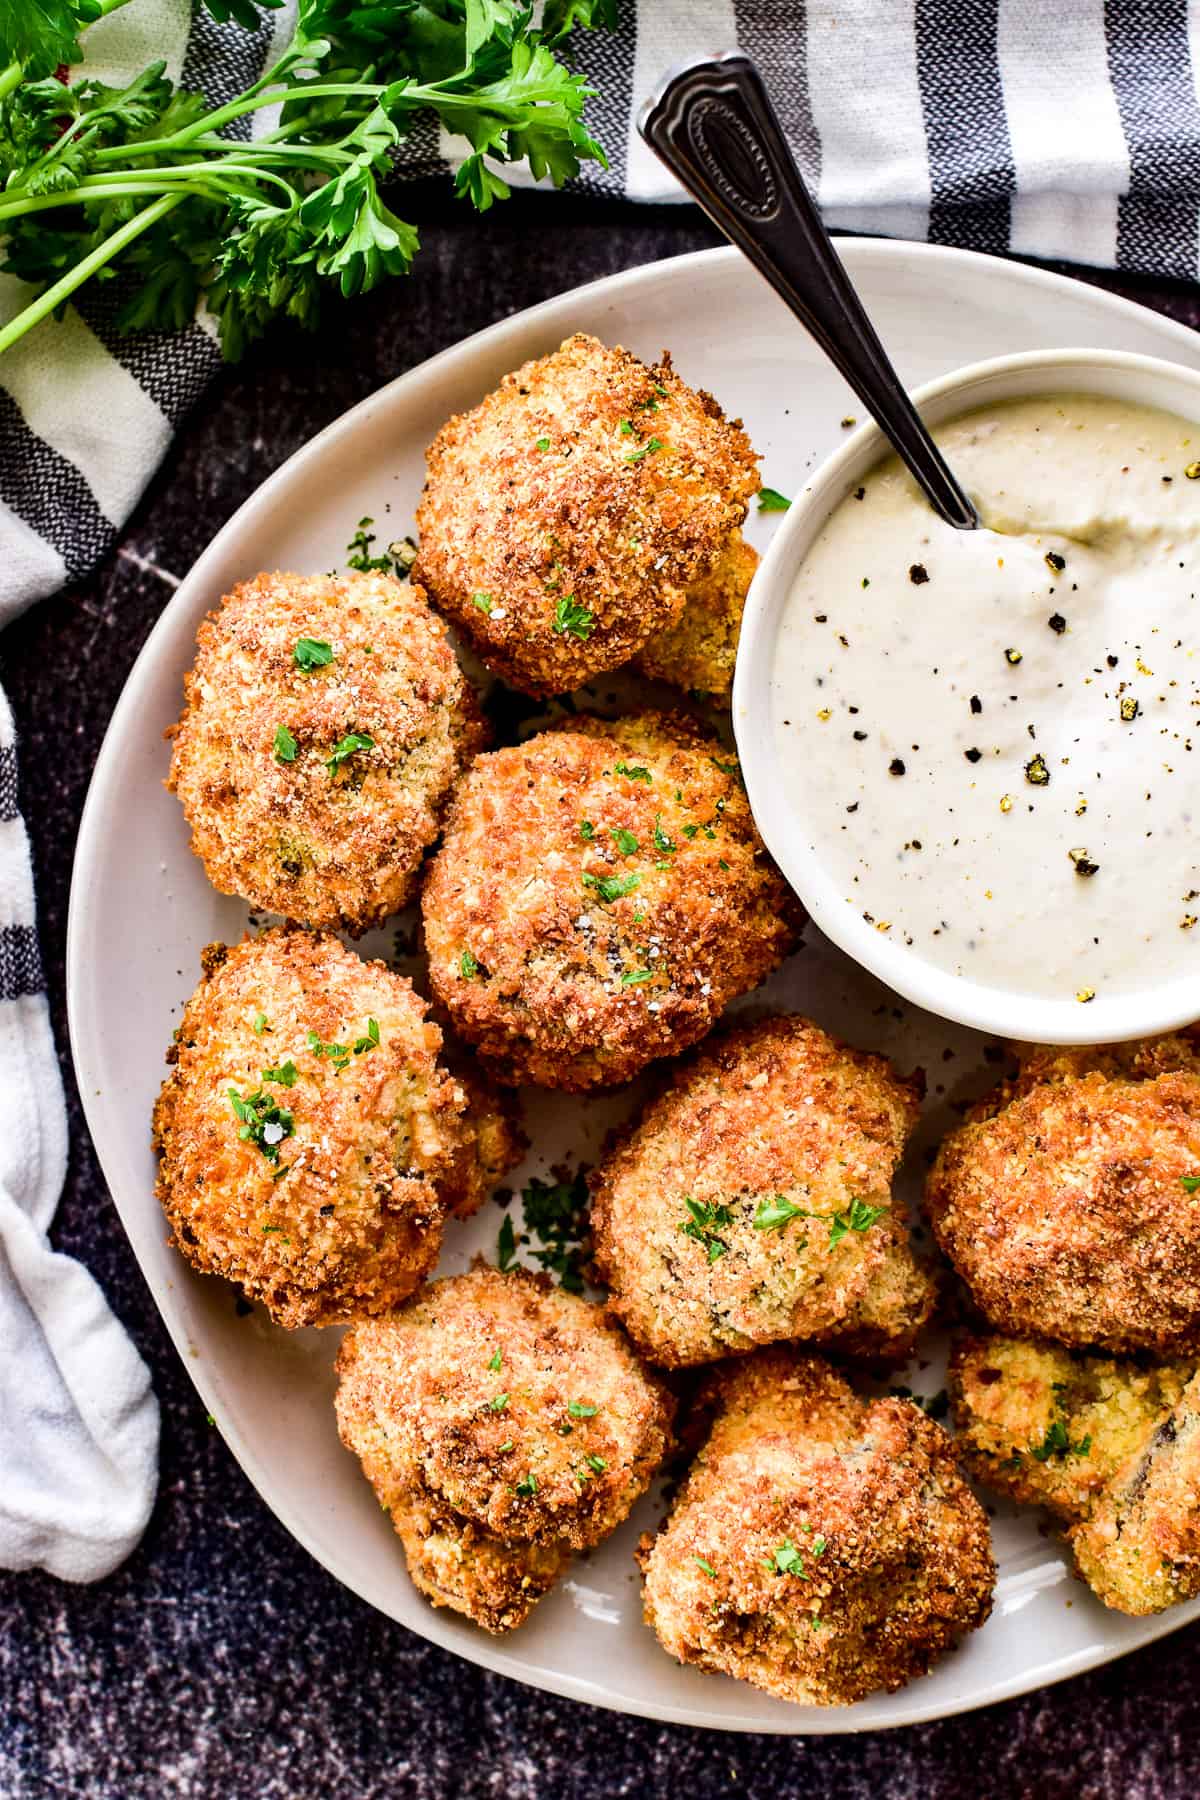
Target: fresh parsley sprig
[[143, 179]]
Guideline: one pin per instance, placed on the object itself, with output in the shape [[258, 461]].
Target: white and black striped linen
[[1051, 128]]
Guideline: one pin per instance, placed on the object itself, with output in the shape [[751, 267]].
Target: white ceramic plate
[[141, 910]]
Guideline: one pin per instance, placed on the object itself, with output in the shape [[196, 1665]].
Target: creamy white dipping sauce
[[994, 736]]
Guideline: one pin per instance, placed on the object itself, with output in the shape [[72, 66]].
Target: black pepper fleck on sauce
[[1055, 561], [896, 766], [973, 755], [1083, 862], [1013, 657], [918, 573], [976, 704], [859, 736], [1057, 623]]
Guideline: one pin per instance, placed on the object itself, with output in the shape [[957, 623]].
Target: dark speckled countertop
[[221, 1662]]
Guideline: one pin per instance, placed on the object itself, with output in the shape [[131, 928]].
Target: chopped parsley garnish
[[587, 830], [483, 602], [506, 1244], [625, 841], [358, 550], [346, 747], [611, 887], [635, 977], [634, 772], [284, 1075], [859, 1217], [706, 1566], [311, 653], [495, 1360], [647, 449], [596, 1462], [774, 1214], [1189, 1183], [556, 1214], [285, 745], [260, 1023], [571, 619], [726, 768], [264, 1123], [787, 1560], [468, 966], [582, 1409], [663, 842], [1057, 1442], [542, 443], [340, 1054], [626, 427], [708, 1219], [771, 500], [527, 1486], [498, 1402]]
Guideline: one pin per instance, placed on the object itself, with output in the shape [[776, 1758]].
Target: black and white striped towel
[[1055, 128]]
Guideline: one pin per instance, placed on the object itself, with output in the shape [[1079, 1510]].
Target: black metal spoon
[[713, 124]]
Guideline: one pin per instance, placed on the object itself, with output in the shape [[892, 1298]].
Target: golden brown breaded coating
[[504, 1423], [310, 1139], [564, 518], [1139, 1549], [822, 1547], [1136, 1060], [1050, 1427], [699, 650], [600, 896], [496, 1142], [1069, 1213], [751, 1202], [314, 791]]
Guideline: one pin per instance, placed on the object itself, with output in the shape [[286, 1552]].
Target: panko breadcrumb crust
[[271, 819], [346, 1217], [600, 896], [564, 517], [1063, 1203], [772, 1114], [822, 1547], [504, 1424], [1112, 1448], [698, 652]]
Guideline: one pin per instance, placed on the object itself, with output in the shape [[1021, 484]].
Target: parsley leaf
[[859, 1217], [264, 1123], [707, 1220], [311, 653], [774, 1214], [358, 550], [506, 1245], [636, 772], [346, 747], [706, 1566], [572, 620], [285, 745], [611, 887], [527, 1486], [468, 967], [1189, 1183], [556, 1215], [787, 1560], [580, 1409], [625, 841], [647, 449], [1057, 1442], [495, 1361], [771, 500], [284, 1075]]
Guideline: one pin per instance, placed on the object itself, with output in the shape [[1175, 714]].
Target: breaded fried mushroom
[[698, 652], [1139, 1547], [1073, 1211], [325, 722], [600, 896], [822, 1547], [310, 1139], [504, 1424], [1047, 1426], [752, 1201], [1111, 1448], [566, 516]]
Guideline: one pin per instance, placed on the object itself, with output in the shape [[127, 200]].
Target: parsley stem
[[113, 188], [11, 78], [83, 271]]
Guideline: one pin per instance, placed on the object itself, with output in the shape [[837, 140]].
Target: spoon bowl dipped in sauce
[[976, 754]]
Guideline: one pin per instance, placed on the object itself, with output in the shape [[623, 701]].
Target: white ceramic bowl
[[1005, 1011]]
